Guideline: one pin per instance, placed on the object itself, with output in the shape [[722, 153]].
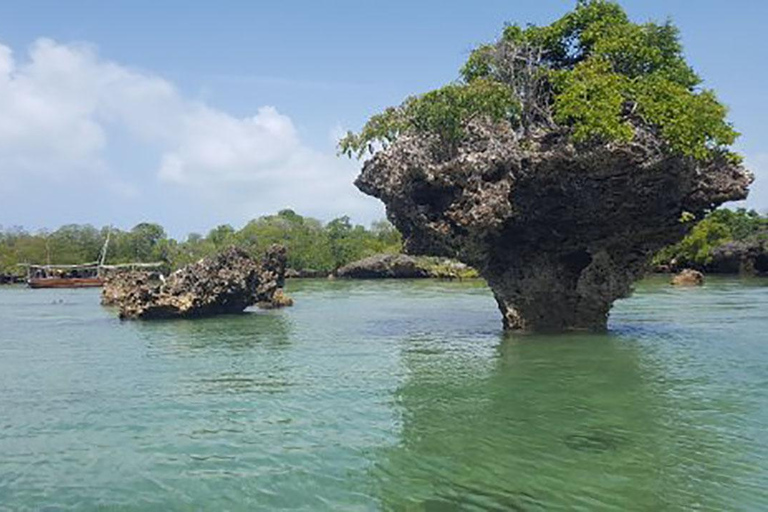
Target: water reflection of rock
[[235, 369], [238, 354], [231, 332], [546, 423]]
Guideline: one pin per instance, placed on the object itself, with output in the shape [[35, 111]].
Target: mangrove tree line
[[311, 243]]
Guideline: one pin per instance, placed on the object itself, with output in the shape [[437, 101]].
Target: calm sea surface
[[386, 396]]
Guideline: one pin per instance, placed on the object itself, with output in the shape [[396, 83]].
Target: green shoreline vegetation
[[717, 230], [312, 245]]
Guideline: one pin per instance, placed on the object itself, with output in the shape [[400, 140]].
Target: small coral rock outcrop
[[402, 266], [279, 300], [688, 277], [381, 266], [226, 283]]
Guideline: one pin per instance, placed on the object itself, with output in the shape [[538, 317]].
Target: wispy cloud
[[66, 110], [758, 192]]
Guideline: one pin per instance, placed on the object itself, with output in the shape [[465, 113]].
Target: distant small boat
[[53, 282], [52, 276], [88, 275], [76, 276]]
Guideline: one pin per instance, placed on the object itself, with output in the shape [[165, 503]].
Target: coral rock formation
[[558, 230], [278, 300], [119, 285], [226, 283], [688, 277], [564, 157], [382, 266]]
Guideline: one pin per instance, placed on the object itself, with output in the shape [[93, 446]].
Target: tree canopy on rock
[[593, 73]]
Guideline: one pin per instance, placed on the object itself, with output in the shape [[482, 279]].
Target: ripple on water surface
[[386, 396]]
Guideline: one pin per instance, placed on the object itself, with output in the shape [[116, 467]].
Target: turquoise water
[[386, 396]]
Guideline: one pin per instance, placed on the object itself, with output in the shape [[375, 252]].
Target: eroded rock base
[[553, 314], [556, 292]]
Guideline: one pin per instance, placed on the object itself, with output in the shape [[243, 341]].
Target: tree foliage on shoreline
[[311, 244], [593, 72], [717, 229]]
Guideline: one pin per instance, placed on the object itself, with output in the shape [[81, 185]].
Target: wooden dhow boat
[[87, 275], [64, 276]]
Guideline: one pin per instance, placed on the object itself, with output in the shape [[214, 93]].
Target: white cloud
[[42, 122], [214, 146], [65, 110], [758, 192]]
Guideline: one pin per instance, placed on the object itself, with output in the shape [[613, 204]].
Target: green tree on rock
[[593, 73]]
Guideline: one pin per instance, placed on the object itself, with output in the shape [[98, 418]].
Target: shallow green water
[[386, 396]]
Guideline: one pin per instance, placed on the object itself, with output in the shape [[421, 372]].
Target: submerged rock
[[559, 231], [226, 283], [382, 266], [279, 300], [688, 277]]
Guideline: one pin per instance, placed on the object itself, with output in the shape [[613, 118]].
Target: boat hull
[[65, 282]]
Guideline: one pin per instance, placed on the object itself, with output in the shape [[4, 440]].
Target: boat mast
[[103, 256]]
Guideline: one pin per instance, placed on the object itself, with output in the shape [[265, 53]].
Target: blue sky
[[196, 113]]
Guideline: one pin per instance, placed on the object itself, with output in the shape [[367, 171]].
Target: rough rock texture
[[226, 283], [688, 277], [744, 257], [278, 300], [382, 266], [558, 231], [120, 284], [399, 266]]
